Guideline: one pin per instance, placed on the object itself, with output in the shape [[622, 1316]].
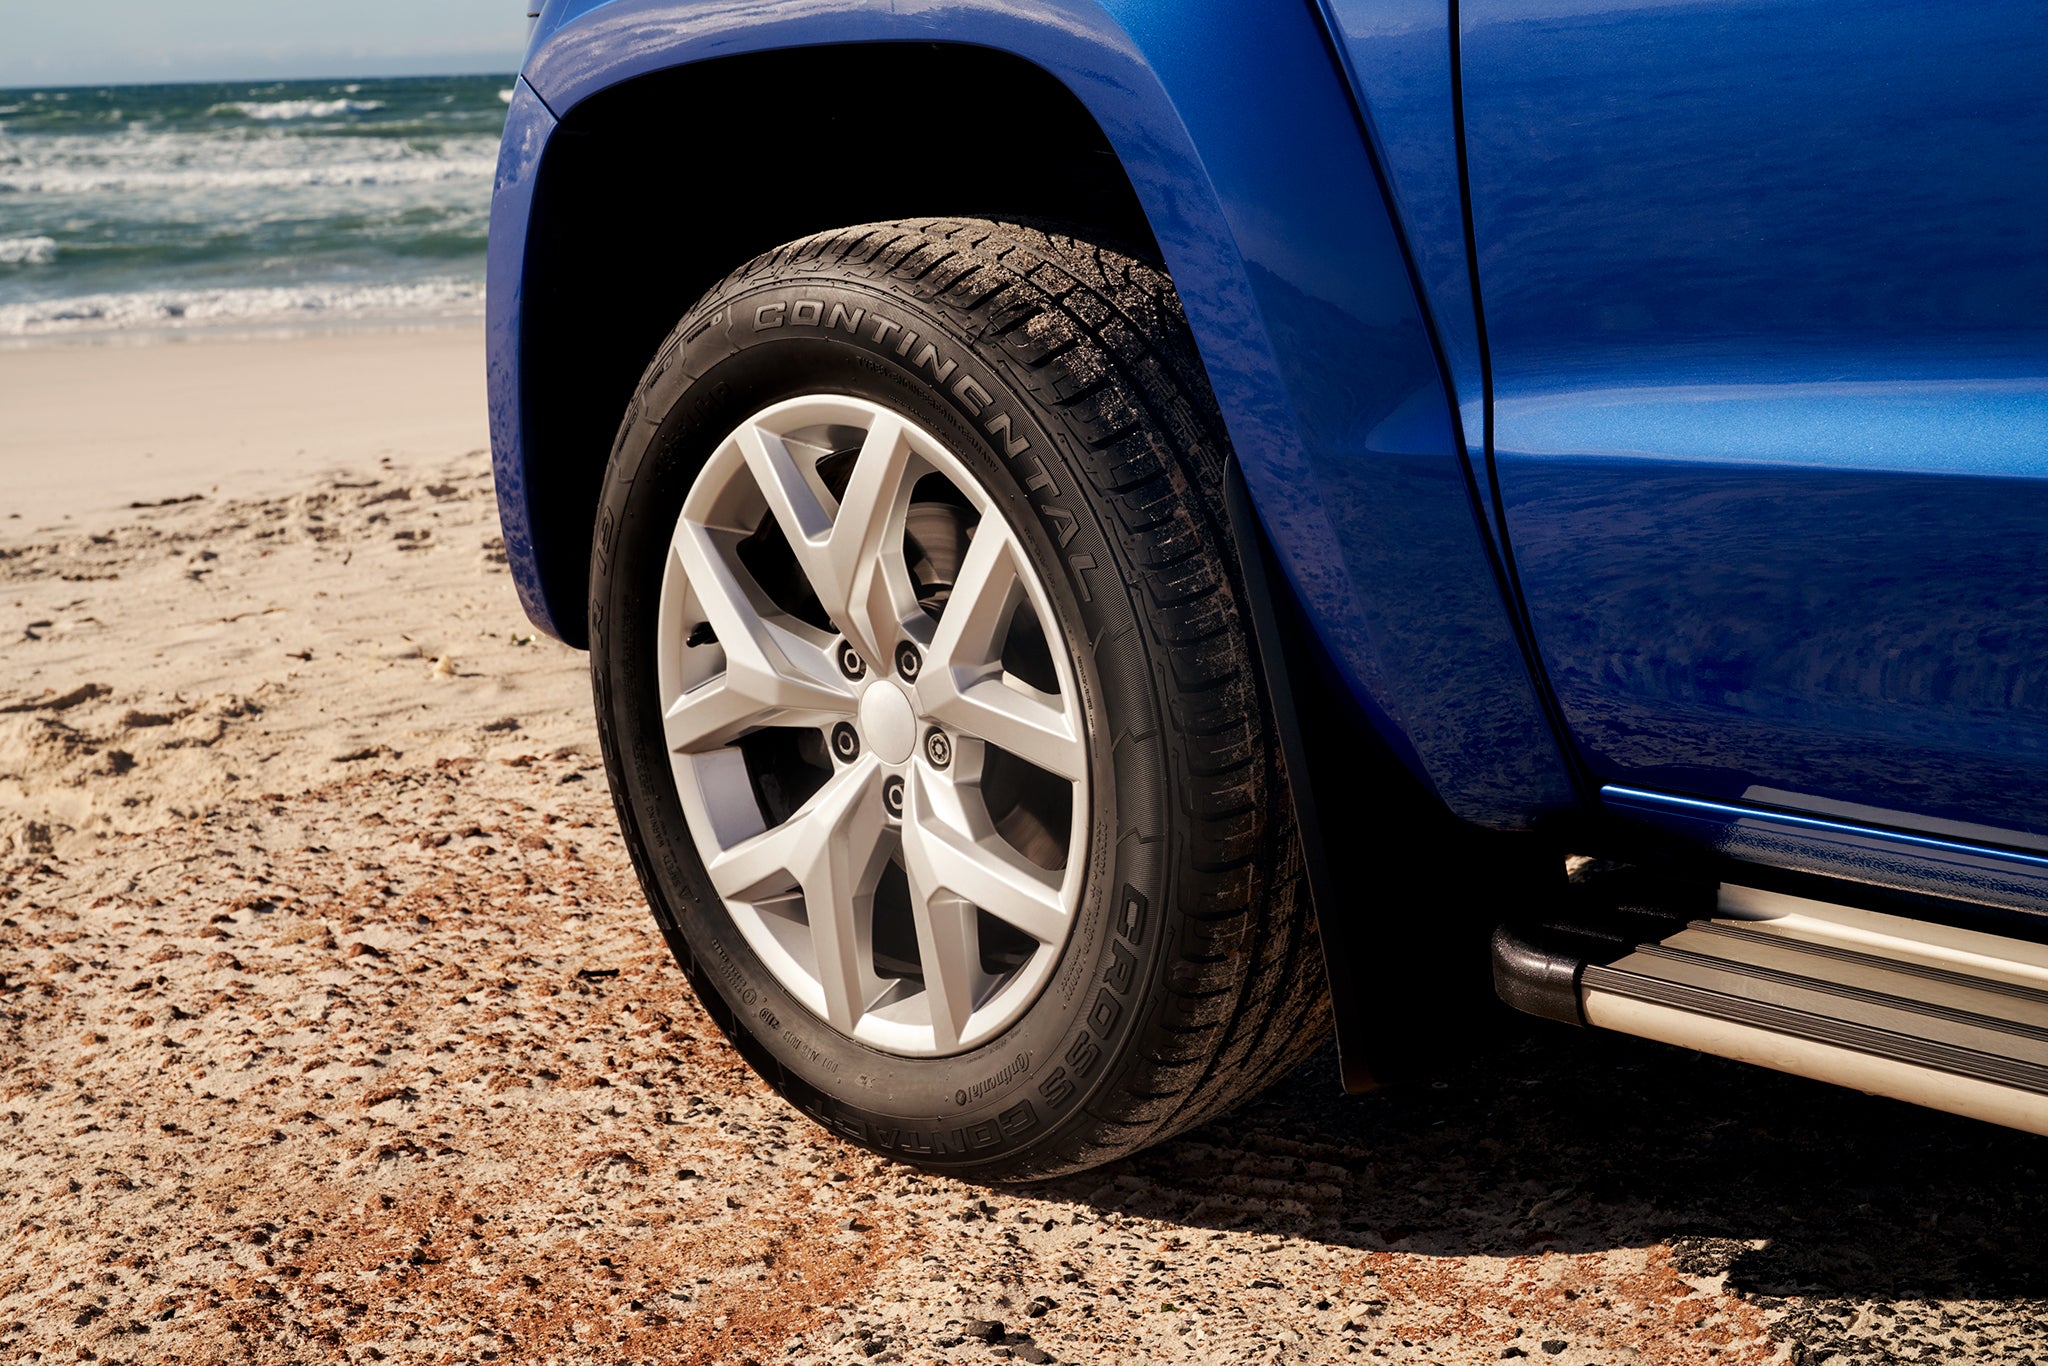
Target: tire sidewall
[[740, 351]]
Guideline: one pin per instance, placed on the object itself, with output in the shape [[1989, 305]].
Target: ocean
[[167, 207]]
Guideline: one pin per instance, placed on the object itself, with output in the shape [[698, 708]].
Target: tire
[[1049, 390]]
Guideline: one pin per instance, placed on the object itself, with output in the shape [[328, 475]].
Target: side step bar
[[1952, 1019]]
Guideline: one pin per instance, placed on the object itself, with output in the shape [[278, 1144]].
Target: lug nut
[[892, 795], [845, 742], [908, 661], [849, 660], [938, 749]]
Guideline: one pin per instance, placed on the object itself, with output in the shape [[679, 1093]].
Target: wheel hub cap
[[888, 722]]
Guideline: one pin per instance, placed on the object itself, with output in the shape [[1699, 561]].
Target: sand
[[90, 427], [333, 1026]]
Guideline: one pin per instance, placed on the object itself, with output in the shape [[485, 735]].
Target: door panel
[[1766, 300]]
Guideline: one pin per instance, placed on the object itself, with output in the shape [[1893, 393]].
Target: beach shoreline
[[307, 325], [96, 424]]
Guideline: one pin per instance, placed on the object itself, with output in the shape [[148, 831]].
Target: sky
[[93, 42]]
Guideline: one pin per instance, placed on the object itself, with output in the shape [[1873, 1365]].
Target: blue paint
[[1891, 859], [1837, 179], [1398, 55], [1865, 637], [528, 123], [1768, 322], [1905, 417]]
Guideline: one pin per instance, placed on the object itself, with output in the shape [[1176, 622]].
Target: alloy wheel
[[874, 725]]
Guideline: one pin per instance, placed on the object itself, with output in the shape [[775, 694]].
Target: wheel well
[[650, 192]]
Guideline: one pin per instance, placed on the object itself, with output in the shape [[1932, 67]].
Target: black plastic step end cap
[[1534, 979]]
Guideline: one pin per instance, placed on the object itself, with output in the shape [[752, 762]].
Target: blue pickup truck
[[1116, 538]]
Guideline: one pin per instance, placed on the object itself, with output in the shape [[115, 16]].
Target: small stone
[[1032, 1353], [988, 1330], [1554, 1346], [1038, 1307]]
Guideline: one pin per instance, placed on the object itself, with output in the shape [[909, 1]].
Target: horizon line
[[512, 74]]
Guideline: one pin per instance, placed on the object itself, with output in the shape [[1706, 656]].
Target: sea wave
[[268, 110], [27, 251], [172, 308], [157, 208], [275, 177]]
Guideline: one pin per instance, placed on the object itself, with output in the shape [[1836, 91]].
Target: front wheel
[[928, 703]]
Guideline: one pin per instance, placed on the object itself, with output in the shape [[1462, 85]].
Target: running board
[[1952, 1019]]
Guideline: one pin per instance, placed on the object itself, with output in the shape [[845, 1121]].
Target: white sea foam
[[27, 251], [296, 109], [273, 177], [135, 161], [443, 297], [504, 95]]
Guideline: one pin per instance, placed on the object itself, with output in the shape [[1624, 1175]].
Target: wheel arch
[[616, 251]]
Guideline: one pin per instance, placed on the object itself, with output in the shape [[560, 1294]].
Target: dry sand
[[89, 427], [333, 1027]]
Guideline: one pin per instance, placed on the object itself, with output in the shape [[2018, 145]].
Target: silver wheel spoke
[[853, 558], [866, 569], [969, 639], [832, 850], [949, 846], [949, 947], [772, 675], [1028, 723], [791, 502], [963, 685]]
